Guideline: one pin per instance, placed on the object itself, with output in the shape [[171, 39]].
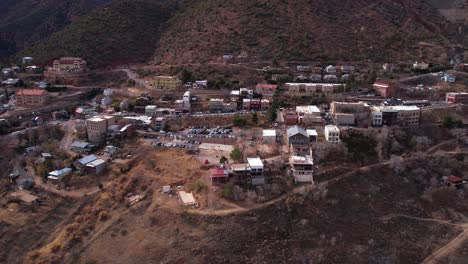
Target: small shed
[[25, 197], [96, 166], [58, 175], [269, 136], [187, 199]]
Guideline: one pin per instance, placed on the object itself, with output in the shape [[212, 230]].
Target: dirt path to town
[[40, 184]]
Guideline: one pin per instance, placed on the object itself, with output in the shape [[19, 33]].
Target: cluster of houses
[[250, 172], [352, 114]]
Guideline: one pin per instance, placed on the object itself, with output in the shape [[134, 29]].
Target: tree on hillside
[[238, 121], [255, 118], [186, 76], [223, 160], [236, 154]]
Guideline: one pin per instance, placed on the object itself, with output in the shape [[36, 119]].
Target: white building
[[376, 117], [150, 110], [269, 136], [186, 99], [332, 134], [420, 65], [330, 69], [58, 175], [313, 135], [302, 168], [256, 171]]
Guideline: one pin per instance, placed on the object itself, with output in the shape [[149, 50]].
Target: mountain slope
[[120, 32], [24, 21], [304, 29], [187, 31]]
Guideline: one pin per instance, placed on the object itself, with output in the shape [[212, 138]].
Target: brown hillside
[[305, 29]]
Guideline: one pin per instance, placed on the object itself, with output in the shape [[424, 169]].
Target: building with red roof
[[219, 175], [266, 89], [31, 97]]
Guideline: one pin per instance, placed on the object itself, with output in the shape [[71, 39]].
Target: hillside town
[[283, 129]]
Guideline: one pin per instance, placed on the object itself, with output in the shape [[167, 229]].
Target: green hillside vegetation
[[24, 21], [121, 32]]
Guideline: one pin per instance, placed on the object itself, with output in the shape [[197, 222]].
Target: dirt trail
[[39, 183], [448, 248]]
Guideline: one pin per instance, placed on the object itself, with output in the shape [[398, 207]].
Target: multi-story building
[[297, 135], [407, 115], [187, 98], [256, 171], [346, 113], [166, 82], [150, 110], [396, 115], [308, 115], [383, 88], [266, 89], [97, 126], [31, 97], [302, 168], [332, 134], [255, 104], [179, 105], [457, 98], [311, 89], [376, 117], [158, 123], [97, 129], [289, 117], [69, 64], [215, 105]]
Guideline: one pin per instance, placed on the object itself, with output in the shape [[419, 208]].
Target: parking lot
[[185, 144], [204, 132]]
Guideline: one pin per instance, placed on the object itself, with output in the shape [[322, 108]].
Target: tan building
[[311, 89], [166, 82], [407, 115], [346, 113], [31, 97], [308, 115], [69, 64], [97, 128]]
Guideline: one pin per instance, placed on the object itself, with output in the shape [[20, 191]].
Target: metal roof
[[294, 130]]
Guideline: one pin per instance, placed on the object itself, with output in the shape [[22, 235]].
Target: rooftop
[[31, 92], [405, 108], [307, 109], [219, 172], [302, 160], [269, 133], [332, 128], [294, 130], [87, 159], [95, 163], [312, 132], [80, 144], [255, 163], [95, 119], [240, 167]]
